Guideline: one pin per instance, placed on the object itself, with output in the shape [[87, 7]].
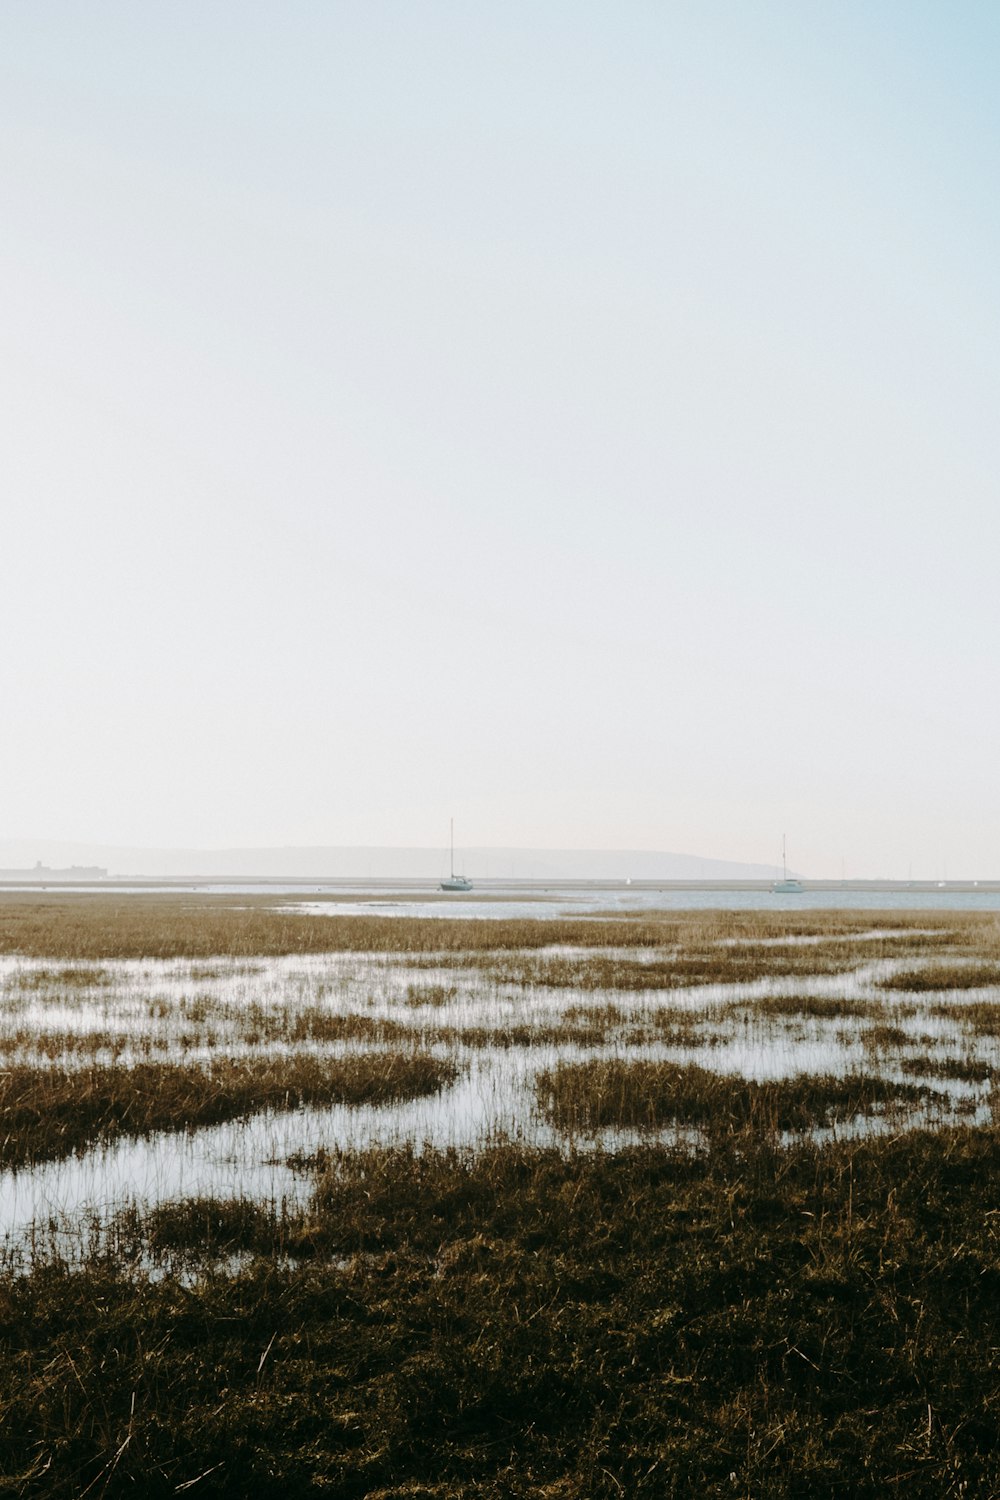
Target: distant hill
[[377, 863]]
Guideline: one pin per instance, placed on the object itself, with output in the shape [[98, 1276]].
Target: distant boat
[[787, 885], [455, 882]]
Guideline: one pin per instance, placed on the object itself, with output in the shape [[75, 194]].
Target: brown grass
[[51, 1112], [817, 1007], [592, 1095], [430, 994], [982, 1016], [604, 971], [71, 977], [965, 1069], [102, 926], [944, 977], [884, 1038], [517, 1325]]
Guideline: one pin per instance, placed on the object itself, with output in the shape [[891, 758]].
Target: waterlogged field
[[678, 1203]]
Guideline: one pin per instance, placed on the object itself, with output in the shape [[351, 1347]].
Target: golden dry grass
[[77, 926]]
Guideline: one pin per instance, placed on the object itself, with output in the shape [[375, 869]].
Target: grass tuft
[[944, 977], [52, 1112], [599, 1094]]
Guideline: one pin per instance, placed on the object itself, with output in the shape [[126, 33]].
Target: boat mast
[[452, 848], [784, 865]]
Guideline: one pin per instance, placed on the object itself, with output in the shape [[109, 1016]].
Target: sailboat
[[787, 885], [455, 882]]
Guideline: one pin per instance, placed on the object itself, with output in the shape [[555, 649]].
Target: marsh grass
[[884, 1037], [430, 994], [51, 1112], [75, 1048], [962, 1069], [602, 1093], [970, 976], [665, 965], [517, 1034], [212, 1227], [69, 977], [981, 1016], [602, 971], [818, 1007], [821, 1322], [58, 1043], [756, 1315], [100, 926], [258, 1026]]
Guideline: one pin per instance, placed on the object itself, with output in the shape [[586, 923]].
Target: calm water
[[519, 899], [494, 900]]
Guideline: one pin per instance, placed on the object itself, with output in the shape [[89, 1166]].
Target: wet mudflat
[[644, 1202]]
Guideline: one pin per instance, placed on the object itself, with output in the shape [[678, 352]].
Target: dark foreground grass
[[48, 1112], [596, 1094], [821, 1322]]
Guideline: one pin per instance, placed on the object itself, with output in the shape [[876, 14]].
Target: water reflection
[[501, 1034]]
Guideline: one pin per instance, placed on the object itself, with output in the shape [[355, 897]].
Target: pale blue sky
[[580, 419]]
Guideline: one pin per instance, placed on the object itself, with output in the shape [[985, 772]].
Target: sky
[[579, 420]]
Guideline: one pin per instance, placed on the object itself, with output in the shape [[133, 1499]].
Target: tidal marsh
[[764, 998], [685, 1203]]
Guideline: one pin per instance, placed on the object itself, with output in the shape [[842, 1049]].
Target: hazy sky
[[579, 418]]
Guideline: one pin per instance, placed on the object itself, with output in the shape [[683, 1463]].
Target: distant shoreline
[[485, 885]]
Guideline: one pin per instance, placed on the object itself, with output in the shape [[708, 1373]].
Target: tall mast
[[452, 848], [784, 864]]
